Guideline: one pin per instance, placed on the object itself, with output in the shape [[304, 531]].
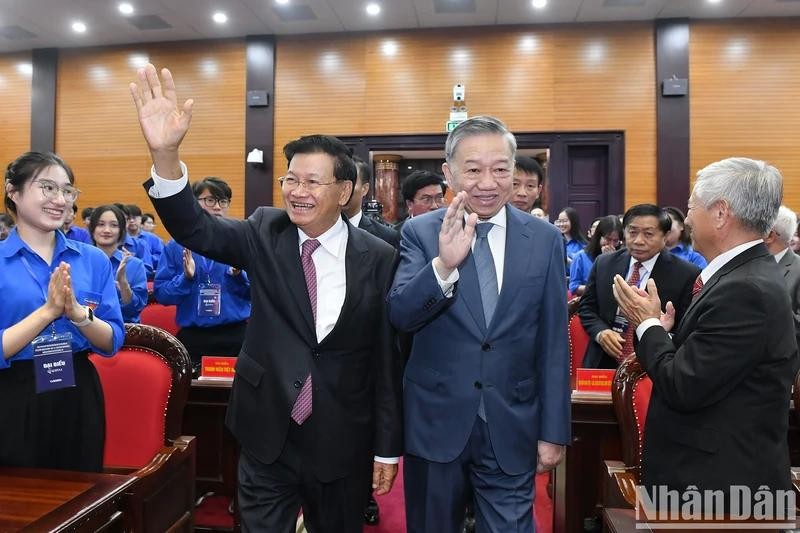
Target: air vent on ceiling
[[148, 22], [624, 3], [294, 13], [13, 33], [454, 6]]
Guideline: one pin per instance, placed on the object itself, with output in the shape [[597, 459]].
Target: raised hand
[[455, 237], [163, 123], [122, 278], [188, 264]]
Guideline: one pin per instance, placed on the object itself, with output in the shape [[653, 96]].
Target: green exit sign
[[451, 125]]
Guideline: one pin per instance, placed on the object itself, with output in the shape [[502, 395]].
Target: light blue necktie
[[487, 275]]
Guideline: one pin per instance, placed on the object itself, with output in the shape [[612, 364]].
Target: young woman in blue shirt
[[570, 226], [678, 241], [107, 227], [59, 302], [606, 238]]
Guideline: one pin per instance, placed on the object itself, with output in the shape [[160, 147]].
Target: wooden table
[[217, 450], [55, 500]]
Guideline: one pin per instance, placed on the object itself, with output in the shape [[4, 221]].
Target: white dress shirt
[[712, 268], [497, 244], [780, 255], [644, 271], [329, 263], [355, 220]]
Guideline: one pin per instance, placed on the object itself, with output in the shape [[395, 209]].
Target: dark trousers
[[225, 340], [437, 493], [271, 495], [62, 429]]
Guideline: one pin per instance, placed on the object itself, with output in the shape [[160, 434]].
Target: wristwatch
[[86, 321]]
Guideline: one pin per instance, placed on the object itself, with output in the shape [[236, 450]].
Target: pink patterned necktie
[[627, 344], [302, 406], [697, 287]]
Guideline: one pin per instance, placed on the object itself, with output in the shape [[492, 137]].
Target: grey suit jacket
[[790, 266]]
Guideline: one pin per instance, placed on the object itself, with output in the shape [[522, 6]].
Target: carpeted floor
[[214, 510]]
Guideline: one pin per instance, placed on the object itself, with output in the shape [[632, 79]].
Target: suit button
[[315, 353], [298, 384], [486, 346], [478, 385]]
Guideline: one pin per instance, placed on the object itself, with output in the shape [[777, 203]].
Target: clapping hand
[[163, 123], [188, 264], [455, 237]]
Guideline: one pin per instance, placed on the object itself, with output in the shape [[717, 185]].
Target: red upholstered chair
[[578, 341], [145, 387], [630, 394], [160, 316]]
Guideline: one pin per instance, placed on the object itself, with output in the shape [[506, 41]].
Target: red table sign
[[594, 380], [217, 367]]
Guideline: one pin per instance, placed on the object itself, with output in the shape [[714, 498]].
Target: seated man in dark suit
[[356, 216], [645, 227], [719, 412], [777, 242]]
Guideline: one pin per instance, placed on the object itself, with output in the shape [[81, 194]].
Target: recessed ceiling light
[[125, 8], [78, 27], [373, 9], [389, 48], [538, 4], [281, 2], [220, 17], [25, 68], [714, 1]]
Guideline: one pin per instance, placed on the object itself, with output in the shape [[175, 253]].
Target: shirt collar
[[331, 240], [677, 249], [499, 219], [780, 255], [722, 259], [13, 244], [648, 265], [355, 220], [117, 254]]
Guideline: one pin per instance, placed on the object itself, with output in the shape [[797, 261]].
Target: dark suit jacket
[[356, 369], [382, 231], [519, 363], [719, 411], [674, 278], [790, 265]]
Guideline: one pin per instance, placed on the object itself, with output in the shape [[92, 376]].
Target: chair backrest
[[160, 316], [578, 342], [631, 393], [145, 387]]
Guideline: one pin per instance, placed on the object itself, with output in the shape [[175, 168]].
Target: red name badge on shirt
[[217, 367], [593, 380]]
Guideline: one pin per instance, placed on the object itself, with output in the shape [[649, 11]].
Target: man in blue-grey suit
[[486, 391]]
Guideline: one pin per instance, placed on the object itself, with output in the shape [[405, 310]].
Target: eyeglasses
[[289, 183], [50, 190], [210, 201], [428, 200]]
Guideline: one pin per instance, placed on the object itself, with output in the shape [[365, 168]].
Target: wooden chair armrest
[[619, 487]]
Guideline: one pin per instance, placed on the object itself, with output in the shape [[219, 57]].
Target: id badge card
[[52, 362], [209, 300], [620, 324]]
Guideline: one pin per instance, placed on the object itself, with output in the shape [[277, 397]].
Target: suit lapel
[[289, 260], [516, 260], [355, 266], [786, 262]]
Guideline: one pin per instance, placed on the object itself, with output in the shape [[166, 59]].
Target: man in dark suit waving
[[644, 257], [719, 411], [317, 387], [481, 286]]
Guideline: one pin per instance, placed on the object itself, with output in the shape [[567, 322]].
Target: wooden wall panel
[[98, 134], [15, 113], [744, 95], [547, 79]]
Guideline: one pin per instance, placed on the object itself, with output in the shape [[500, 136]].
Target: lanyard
[[208, 265], [35, 279]]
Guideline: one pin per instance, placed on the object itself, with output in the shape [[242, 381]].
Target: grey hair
[[752, 189], [480, 125], [785, 225]]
